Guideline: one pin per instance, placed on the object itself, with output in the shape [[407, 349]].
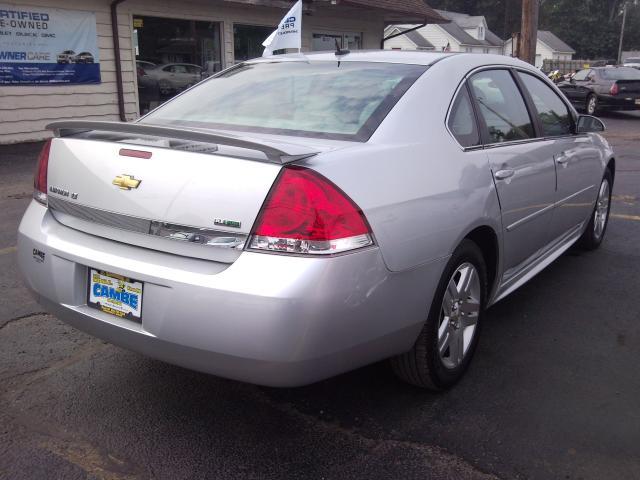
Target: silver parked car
[[175, 77], [296, 217]]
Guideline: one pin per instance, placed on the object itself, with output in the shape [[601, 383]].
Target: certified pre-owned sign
[[45, 46]]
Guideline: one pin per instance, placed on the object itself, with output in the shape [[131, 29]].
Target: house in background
[[548, 47], [464, 33], [412, 40]]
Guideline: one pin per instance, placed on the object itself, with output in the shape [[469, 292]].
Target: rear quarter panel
[[419, 190]]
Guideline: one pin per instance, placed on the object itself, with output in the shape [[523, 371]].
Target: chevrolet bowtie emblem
[[126, 182]]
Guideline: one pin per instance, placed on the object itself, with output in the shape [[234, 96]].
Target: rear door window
[[462, 122], [501, 106], [553, 113], [581, 75]]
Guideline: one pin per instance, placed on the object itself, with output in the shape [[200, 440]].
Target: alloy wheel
[[601, 212], [459, 315], [591, 105]]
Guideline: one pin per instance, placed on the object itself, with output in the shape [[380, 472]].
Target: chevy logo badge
[[126, 182]]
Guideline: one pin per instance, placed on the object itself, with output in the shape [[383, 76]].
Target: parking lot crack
[[437, 457], [22, 317]]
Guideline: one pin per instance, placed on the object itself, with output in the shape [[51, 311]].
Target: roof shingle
[[549, 39], [414, 8]]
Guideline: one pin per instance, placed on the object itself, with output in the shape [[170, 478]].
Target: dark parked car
[[604, 88], [83, 57]]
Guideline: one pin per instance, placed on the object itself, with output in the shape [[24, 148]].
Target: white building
[[548, 47], [464, 33], [157, 40]]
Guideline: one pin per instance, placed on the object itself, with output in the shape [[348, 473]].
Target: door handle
[[562, 159], [504, 174]]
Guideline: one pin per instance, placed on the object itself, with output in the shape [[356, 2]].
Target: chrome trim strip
[[170, 231], [529, 217], [103, 217], [546, 209], [566, 199]]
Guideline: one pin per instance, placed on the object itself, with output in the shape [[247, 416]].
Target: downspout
[[395, 34], [116, 55]]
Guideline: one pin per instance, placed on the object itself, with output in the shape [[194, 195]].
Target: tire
[[591, 105], [424, 365], [594, 234]]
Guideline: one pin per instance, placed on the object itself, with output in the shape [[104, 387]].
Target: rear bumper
[[266, 319], [620, 102]]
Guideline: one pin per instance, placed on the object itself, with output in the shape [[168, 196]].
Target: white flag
[[288, 34]]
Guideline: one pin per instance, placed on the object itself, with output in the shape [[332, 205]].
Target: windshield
[[341, 100], [620, 74]]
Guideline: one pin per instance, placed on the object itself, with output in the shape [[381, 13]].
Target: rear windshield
[[620, 73], [339, 100]]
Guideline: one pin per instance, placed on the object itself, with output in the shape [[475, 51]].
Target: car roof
[[409, 57], [416, 57]]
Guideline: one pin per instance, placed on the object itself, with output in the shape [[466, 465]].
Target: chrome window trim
[[472, 72]]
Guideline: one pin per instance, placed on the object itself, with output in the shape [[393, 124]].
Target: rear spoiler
[[282, 153]]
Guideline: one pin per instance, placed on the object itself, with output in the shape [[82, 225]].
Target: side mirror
[[572, 80], [589, 124]]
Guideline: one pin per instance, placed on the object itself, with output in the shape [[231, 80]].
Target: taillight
[[306, 213], [40, 179], [614, 89]]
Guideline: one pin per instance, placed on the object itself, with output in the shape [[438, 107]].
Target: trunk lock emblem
[[126, 182]]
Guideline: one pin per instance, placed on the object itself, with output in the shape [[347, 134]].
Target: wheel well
[[487, 240], [612, 168]]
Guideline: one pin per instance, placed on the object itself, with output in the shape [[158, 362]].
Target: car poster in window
[[47, 46]]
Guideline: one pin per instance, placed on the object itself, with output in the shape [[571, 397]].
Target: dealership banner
[[47, 46]]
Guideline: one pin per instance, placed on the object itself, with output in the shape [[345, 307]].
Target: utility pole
[[529, 31], [624, 19]]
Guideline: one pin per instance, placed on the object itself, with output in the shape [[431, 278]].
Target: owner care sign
[[46, 46]]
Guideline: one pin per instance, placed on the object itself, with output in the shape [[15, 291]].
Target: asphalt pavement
[[553, 392]]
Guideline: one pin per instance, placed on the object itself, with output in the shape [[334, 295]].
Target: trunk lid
[[183, 202], [626, 87]]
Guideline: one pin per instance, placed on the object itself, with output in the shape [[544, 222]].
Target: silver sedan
[[300, 216]]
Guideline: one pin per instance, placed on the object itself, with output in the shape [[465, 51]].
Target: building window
[[485, 50], [468, 49], [173, 54], [247, 41], [327, 41]]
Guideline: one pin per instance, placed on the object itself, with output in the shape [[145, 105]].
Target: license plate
[[115, 294], [637, 101]]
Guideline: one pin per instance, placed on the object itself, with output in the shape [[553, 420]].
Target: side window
[[462, 122], [552, 111], [501, 106], [581, 75]]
